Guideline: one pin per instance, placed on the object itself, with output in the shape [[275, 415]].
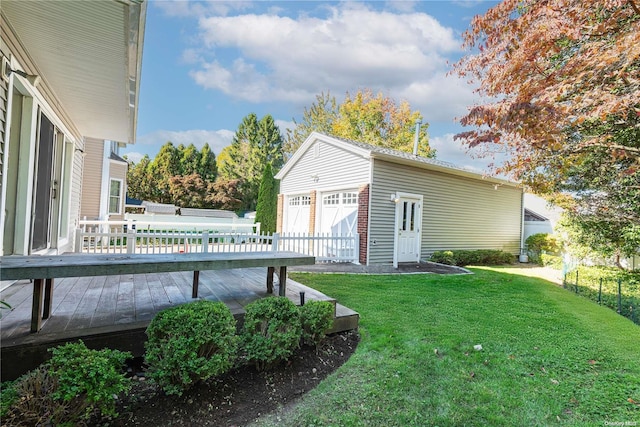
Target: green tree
[[255, 144], [207, 168], [139, 182], [190, 159], [319, 117], [267, 208], [365, 117], [165, 166]]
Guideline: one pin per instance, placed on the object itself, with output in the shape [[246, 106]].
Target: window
[[305, 200], [115, 196], [331, 199], [350, 198]]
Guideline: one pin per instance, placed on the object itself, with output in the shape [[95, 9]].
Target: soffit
[[89, 53]]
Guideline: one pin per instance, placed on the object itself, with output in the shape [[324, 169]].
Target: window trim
[[119, 196]]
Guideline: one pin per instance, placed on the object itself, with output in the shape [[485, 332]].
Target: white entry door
[[408, 228]]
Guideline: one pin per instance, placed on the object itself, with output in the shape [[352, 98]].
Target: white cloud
[[293, 59], [440, 97], [217, 139], [452, 151], [134, 156], [285, 125]]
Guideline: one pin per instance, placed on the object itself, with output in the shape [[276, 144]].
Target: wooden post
[[283, 281], [36, 306], [270, 271], [48, 298], [196, 279]]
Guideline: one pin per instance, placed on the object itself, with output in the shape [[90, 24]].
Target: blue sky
[[206, 65]]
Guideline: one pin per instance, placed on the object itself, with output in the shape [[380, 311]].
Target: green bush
[[315, 317], [190, 343], [76, 384], [475, 257], [443, 257], [271, 331], [541, 243]]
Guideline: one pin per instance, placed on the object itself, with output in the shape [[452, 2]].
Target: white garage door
[[339, 215], [297, 218]]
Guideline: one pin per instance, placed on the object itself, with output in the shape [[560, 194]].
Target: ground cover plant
[[547, 356], [76, 385]]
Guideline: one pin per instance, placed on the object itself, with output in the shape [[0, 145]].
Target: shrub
[[76, 384], [271, 331], [540, 243], [443, 257], [190, 343], [315, 318], [475, 257]]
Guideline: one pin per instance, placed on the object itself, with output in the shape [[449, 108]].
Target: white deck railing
[[114, 237]]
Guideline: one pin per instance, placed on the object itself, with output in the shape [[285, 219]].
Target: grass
[[549, 357]]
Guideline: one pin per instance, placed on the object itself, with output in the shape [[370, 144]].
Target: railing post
[[356, 243], [205, 241], [275, 241], [131, 240], [78, 240]]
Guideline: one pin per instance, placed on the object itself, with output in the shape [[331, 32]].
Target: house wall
[[334, 167], [92, 180], [458, 212], [19, 137]]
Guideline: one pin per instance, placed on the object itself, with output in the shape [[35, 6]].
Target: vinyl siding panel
[[92, 180], [335, 167], [458, 212]]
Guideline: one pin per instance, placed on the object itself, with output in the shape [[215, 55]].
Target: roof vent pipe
[[417, 138]]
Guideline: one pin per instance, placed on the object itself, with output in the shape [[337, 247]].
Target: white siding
[[458, 212], [334, 167]]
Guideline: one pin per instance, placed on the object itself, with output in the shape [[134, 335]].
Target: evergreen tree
[[207, 168], [190, 159], [266, 211], [255, 144]]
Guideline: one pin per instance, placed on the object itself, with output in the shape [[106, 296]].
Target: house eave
[[90, 59]]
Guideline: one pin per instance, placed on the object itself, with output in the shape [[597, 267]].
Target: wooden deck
[[117, 305]]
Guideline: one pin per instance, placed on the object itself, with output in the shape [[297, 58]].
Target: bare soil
[[240, 396]]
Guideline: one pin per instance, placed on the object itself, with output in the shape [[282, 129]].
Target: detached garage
[[403, 207]]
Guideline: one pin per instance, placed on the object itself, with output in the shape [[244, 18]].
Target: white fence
[[158, 238]]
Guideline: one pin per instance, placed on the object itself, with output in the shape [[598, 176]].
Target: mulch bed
[[240, 396]]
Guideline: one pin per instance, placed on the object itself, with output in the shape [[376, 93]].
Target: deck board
[[89, 303]]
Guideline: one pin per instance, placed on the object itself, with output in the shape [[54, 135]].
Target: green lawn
[[549, 357]]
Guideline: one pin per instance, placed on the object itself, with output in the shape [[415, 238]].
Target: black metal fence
[[615, 293]]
